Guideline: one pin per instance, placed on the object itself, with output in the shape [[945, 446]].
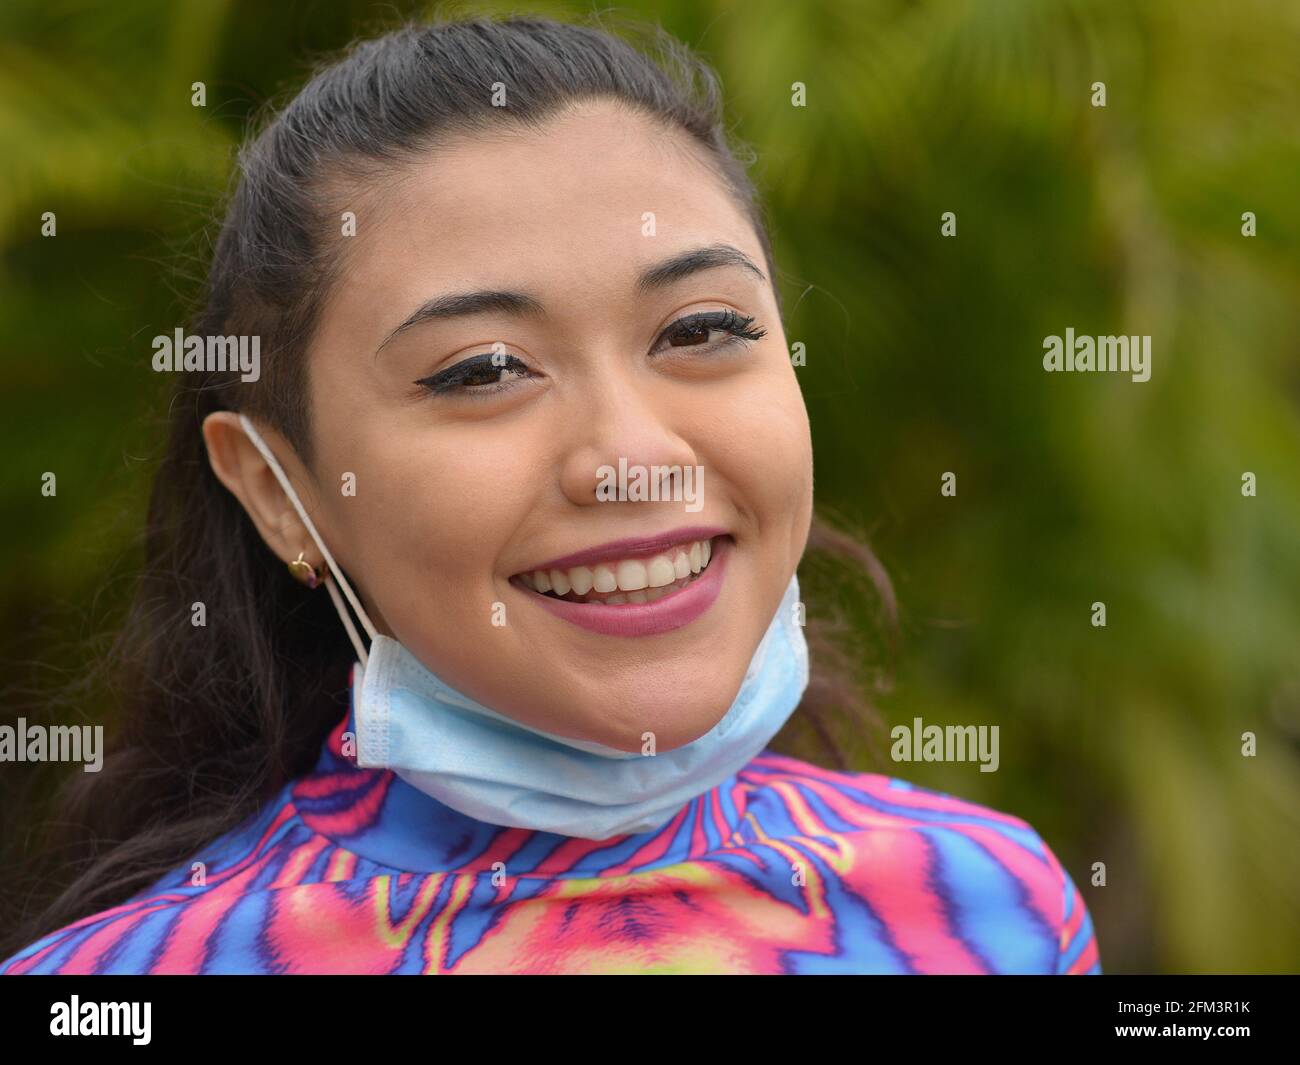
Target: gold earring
[[304, 571]]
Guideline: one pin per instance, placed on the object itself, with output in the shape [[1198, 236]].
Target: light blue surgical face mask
[[495, 769]]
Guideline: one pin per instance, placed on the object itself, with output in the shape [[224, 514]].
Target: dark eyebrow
[[484, 301], [461, 304], [691, 262]]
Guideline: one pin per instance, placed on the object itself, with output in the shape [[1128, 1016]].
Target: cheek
[[761, 444], [430, 519]]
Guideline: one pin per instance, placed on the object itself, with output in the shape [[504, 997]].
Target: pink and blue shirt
[[783, 868]]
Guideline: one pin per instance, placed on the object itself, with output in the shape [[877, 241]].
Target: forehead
[[587, 198]]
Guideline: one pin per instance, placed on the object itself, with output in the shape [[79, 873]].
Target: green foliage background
[[1120, 744]]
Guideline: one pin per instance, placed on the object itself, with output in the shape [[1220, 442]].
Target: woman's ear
[[242, 469]]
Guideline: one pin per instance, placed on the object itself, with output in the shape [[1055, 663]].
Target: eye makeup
[[489, 373], [693, 330], [479, 373]]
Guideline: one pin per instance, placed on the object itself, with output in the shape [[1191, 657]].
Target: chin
[[677, 712]]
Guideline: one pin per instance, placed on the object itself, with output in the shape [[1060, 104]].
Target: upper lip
[[632, 547]]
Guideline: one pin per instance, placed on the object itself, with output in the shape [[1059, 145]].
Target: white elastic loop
[[271, 460], [346, 618]]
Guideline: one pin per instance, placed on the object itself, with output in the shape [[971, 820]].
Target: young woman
[[526, 422]]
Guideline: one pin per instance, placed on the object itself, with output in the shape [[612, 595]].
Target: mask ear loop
[[333, 572]]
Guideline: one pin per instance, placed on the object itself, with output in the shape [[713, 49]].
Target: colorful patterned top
[[782, 868]]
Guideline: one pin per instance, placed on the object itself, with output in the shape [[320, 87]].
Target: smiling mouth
[[642, 579]]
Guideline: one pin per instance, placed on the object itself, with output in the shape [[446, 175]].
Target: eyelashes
[[689, 329], [482, 372], [492, 372]]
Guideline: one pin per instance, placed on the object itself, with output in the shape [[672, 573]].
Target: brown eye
[[694, 330], [479, 374], [484, 373], [689, 332]]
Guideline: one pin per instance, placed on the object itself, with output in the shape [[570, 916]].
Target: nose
[[622, 424]]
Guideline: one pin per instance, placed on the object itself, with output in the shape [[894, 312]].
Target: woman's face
[[598, 235]]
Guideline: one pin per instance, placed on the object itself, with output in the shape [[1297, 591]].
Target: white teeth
[[660, 572], [580, 580], [630, 580], [681, 566], [631, 576], [603, 579]]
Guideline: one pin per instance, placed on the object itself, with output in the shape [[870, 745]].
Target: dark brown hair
[[214, 721]]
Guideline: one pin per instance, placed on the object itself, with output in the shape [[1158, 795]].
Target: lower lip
[[647, 619]]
